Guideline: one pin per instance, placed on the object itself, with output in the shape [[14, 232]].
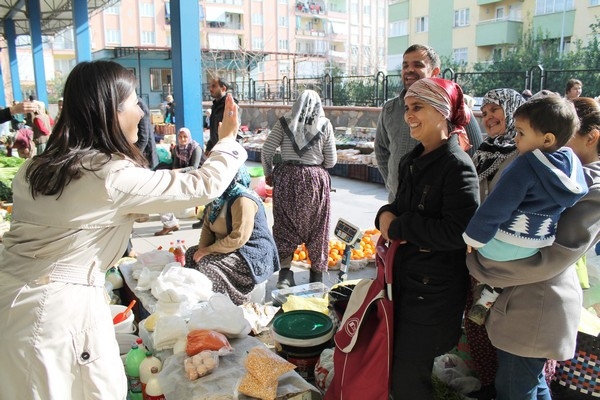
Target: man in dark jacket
[[146, 142], [218, 89]]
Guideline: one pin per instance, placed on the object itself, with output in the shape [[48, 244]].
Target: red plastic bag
[[204, 339]]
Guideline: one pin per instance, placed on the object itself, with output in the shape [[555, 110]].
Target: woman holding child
[[537, 314]]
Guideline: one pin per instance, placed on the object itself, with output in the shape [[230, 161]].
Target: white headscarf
[[304, 124]]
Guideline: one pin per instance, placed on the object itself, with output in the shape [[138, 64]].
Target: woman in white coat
[[74, 208]]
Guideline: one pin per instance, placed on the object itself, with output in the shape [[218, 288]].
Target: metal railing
[[374, 90]]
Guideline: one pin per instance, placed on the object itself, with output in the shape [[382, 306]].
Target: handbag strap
[[385, 254]]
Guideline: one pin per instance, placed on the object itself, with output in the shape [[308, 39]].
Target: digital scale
[[349, 234]]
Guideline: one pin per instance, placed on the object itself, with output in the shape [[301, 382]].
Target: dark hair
[[433, 57], [222, 82], [88, 124], [588, 111], [550, 114], [571, 83]]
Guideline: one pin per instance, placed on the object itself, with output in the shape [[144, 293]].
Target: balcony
[[555, 25], [310, 32], [484, 2], [498, 31]]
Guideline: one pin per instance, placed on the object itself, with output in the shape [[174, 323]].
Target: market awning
[[214, 14]]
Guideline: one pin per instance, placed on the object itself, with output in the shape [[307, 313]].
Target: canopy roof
[[57, 15]]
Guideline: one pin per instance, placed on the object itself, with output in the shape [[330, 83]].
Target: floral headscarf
[[494, 150], [240, 184], [304, 124], [184, 152], [447, 98]]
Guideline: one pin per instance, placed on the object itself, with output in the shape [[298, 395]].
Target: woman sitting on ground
[[236, 249]]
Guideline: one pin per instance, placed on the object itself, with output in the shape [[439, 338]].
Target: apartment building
[[469, 31], [240, 39]]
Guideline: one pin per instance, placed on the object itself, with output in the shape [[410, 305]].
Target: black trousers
[[411, 379]]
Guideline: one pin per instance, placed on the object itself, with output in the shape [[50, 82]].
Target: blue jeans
[[521, 378]]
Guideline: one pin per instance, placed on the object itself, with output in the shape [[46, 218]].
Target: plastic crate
[[358, 171], [339, 170], [375, 175]]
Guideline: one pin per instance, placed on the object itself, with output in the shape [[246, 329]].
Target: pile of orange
[[301, 254], [366, 249]]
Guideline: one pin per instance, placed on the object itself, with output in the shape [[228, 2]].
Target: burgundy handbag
[[363, 354]]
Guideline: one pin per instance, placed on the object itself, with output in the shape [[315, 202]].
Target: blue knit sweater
[[525, 205]]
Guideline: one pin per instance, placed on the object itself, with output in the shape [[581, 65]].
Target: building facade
[[469, 31]]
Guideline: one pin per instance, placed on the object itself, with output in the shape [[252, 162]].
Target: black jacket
[[216, 116], [146, 142], [437, 196]]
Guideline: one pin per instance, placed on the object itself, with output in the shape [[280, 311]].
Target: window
[[147, 37], [283, 21], [257, 19], [554, 6], [64, 40], [367, 9], [147, 9], [422, 24], [499, 13], [113, 36], [257, 44], [159, 77], [594, 2], [283, 44], [461, 17], [284, 67], [460, 56], [112, 10], [399, 28], [497, 54]]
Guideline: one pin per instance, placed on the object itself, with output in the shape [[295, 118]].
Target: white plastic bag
[[168, 331], [189, 283], [221, 315], [453, 371]]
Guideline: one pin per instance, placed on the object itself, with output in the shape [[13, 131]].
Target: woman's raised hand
[[230, 125]]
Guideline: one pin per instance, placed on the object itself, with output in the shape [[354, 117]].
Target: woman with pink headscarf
[[438, 193]]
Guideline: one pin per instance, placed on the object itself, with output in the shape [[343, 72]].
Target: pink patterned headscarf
[[447, 98]]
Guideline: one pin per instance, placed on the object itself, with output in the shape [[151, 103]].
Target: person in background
[[573, 89], [490, 159], [236, 250], [170, 110], [529, 324], [74, 207], [23, 143], [218, 89], [521, 214], [392, 136], [206, 120], [437, 196], [301, 184], [42, 127], [187, 156], [60, 107]]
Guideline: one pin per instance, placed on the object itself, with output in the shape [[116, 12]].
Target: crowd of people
[[485, 223]]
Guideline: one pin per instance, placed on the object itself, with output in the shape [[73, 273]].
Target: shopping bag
[[363, 354]]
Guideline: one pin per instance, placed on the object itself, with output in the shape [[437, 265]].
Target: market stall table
[[223, 381]]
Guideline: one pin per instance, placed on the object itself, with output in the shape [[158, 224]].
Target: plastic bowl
[[126, 326]]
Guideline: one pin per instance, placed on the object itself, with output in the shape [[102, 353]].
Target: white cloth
[[57, 339]]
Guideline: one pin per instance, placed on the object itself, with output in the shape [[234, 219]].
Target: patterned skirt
[[301, 211]]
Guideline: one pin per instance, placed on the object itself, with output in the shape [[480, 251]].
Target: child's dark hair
[[552, 114], [588, 111]]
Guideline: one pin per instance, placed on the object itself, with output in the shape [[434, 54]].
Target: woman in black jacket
[[437, 195]]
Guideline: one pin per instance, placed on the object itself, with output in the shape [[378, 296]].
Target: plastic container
[[126, 326], [315, 289], [300, 337], [153, 389], [132, 369], [146, 367], [179, 253]]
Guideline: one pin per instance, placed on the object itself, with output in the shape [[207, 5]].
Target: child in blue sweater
[[520, 214]]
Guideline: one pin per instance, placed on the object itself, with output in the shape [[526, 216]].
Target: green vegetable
[[11, 161]]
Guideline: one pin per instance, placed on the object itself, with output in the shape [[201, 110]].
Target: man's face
[[216, 91], [415, 66]]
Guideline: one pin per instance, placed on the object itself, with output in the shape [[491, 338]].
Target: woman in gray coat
[[537, 315]]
